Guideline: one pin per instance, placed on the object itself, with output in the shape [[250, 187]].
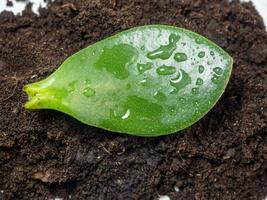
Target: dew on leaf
[[195, 90], [218, 70], [142, 68], [201, 69], [165, 51], [201, 54], [199, 81], [180, 57], [166, 70]]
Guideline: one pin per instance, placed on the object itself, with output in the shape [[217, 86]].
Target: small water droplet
[[87, 82], [201, 69], [195, 91], [215, 79], [142, 68], [212, 53], [126, 115], [209, 63], [93, 53], [142, 48], [144, 82], [172, 110], [180, 57], [183, 43], [182, 100], [198, 40], [199, 81], [88, 92], [201, 54], [166, 70], [218, 70], [197, 104], [160, 96]]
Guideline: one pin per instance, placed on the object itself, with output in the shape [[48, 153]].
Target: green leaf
[[147, 81]]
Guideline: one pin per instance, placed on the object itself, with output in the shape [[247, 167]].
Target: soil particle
[[45, 154]]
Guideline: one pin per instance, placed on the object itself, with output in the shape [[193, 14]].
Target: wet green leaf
[[147, 81]]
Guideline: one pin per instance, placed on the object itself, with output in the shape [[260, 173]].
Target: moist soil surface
[[47, 155]]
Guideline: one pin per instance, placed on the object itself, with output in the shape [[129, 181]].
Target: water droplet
[[212, 53], [201, 54], [87, 82], [88, 92], [160, 96], [180, 57], [72, 86], [166, 70], [195, 91], [198, 40], [142, 48], [93, 53], [165, 51], [197, 104], [201, 69], [183, 43], [182, 99], [218, 70], [209, 63], [117, 65], [199, 81], [144, 82], [180, 82], [172, 110], [144, 67], [126, 115], [128, 86], [215, 79]]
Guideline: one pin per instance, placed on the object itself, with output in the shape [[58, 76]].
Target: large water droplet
[[88, 92], [165, 51], [180, 57], [116, 59], [199, 81], [166, 70], [160, 96], [144, 67], [201, 54], [180, 82], [201, 69], [218, 70]]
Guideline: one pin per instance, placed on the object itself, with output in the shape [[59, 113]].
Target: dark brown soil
[[46, 154]]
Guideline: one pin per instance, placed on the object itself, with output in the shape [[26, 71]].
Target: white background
[[18, 7]]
